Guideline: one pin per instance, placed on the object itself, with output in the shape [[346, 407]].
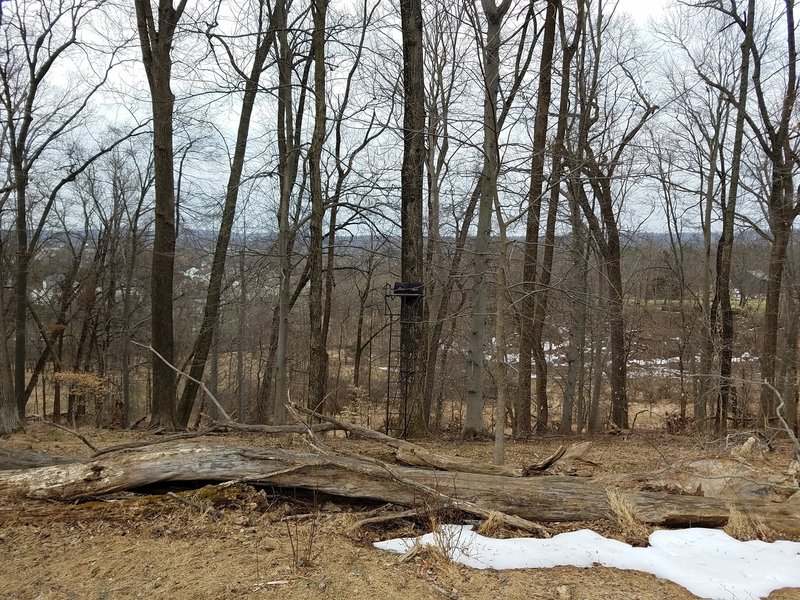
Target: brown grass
[[493, 526], [746, 526], [632, 529]]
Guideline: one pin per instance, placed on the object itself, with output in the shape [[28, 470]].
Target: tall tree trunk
[[708, 302], [600, 352], [362, 303], [784, 205], [318, 355], [9, 419], [20, 291], [288, 157], [500, 354], [577, 326], [781, 232], [473, 422], [242, 332], [202, 343], [9, 416], [441, 302], [528, 344], [600, 174], [543, 280], [268, 386], [440, 298], [616, 329], [156, 46], [411, 184], [725, 246]]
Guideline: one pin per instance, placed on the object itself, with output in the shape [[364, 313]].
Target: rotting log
[[28, 459], [547, 498], [214, 428]]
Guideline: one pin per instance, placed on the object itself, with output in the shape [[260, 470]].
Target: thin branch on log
[[386, 518], [357, 430], [186, 435], [70, 431], [448, 500], [412, 454], [215, 427], [315, 428], [571, 452]]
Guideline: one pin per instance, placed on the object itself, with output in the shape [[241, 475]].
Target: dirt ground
[[240, 542]]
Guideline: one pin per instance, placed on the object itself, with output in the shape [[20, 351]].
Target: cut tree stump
[[546, 498]]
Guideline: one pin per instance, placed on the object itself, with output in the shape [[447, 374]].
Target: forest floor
[[242, 542]]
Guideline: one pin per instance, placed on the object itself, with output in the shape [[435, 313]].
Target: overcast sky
[[641, 10]]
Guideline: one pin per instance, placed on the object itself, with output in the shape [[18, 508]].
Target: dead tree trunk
[[545, 499]]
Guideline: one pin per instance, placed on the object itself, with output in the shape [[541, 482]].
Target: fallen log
[[547, 498], [28, 459], [216, 427]]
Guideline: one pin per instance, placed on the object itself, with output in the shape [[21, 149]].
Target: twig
[[189, 377], [215, 427], [68, 430], [779, 411], [300, 428], [198, 505], [385, 518], [413, 454], [546, 463], [312, 440]]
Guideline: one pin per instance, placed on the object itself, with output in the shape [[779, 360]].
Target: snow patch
[[707, 562]]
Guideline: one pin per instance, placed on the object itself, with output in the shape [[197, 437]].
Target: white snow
[[707, 562]]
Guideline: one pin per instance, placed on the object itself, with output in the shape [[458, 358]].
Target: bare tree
[[37, 39], [289, 132], [725, 247], [318, 355], [156, 37], [494, 14], [530, 342], [598, 159], [411, 183], [264, 39]]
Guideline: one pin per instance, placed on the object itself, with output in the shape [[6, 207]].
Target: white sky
[[642, 10]]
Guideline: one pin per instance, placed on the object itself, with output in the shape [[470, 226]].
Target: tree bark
[[318, 355], [288, 136], [156, 46], [473, 422], [529, 345], [411, 184], [725, 247], [784, 205]]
